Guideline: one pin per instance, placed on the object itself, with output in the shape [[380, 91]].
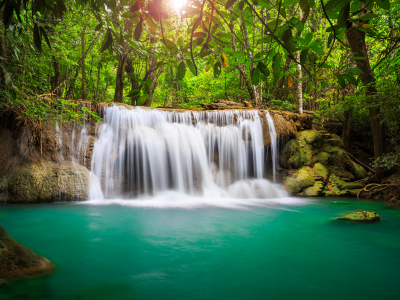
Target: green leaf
[[303, 56], [276, 65], [330, 38], [343, 16], [308, 37], [385, 4], [283, 12], [107, 41], [255, 76], [341, 81], [309, 86], [217, 69], [138, 30], [263, 68], [317, 50], [369, 17], [287, 38], [191, 66], [351, 79], [353, 70], [325, 84], [133, 93], [37, 37], [303, 4], [171, 46], [181, 71], [229, 3], [46, 38]]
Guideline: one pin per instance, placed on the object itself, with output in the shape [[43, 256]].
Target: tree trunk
[[254, 94], [56, 78], [356, 40], [346, 128]]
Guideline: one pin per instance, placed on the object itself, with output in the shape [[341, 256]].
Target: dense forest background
[[337, 59]]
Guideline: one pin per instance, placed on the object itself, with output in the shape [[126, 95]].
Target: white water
[[274, 143], [147, 154]]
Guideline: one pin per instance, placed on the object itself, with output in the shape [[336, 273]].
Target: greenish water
[[288, 250]]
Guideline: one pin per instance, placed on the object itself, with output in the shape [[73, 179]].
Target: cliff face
[[16, 260]]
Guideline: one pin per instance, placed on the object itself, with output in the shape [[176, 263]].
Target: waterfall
[[274, 143], [143, 152]]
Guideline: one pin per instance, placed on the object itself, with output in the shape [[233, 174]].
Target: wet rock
[[298, 181], [312, 191], [361, 217], [17, 260], [46, 182]]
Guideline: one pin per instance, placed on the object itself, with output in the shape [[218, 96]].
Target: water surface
[[286, 249]]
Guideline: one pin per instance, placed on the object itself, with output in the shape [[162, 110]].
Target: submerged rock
[[17, 260], [361, 217], [46, 182]]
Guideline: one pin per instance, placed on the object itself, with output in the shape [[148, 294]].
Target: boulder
[[45, 182], [323, 157], [299, 152], [16, 260], [298, 181], [339, 187], [361, 217]]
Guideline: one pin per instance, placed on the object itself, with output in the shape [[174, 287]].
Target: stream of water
[[286, 248]]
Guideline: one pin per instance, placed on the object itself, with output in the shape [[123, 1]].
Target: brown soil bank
[[17, 260]]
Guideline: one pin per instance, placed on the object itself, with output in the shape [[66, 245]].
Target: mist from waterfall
[[146, 152]]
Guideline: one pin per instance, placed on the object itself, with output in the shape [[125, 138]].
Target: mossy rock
[[300, 180], [320, 172], [312, 191], [323, 158], [334, 140], [341, 173], [299, 152], [339, 187], [361, 217], [330, 149], [16, 260], [358, 171], [46, 182]]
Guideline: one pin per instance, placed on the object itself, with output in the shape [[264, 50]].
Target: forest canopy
[[337, 59]]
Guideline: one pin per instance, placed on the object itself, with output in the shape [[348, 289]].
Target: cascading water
[[274, 143], [144, 152]]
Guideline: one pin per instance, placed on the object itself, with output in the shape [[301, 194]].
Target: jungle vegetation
[[337, 58]]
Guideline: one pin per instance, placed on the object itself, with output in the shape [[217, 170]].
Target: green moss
[[300, 151], [314, 190], [320, 171], [362, 217], [330, 149], [339, 187], [323, 158], [358, 171], [300, 180], [341, 173], [334, 140]]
